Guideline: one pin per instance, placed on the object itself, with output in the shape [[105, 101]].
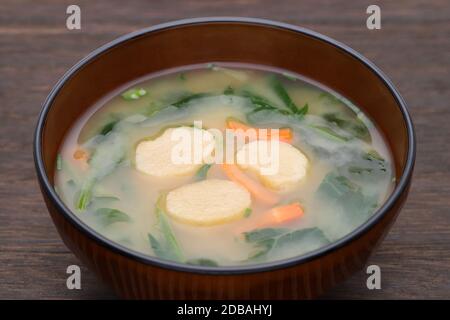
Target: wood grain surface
[[412, 48]]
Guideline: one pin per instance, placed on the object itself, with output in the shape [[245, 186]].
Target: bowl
[[135, 275]]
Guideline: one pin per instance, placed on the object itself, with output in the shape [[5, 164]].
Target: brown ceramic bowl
[[135, 275]]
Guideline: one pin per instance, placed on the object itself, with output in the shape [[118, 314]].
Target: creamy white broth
[[135, 193]]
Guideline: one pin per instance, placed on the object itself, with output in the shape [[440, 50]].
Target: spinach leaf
[[273, 240], [260, 102], [107, 216], [182, 102], [373, 155], [266, 116], [158, 247], [106, 198], [348, 195], [262, 248], [265, 109], [298, 236], [85, 195], [100, 200], [107, 128], [134, 94], [338, 186], [263, 234], [167, 246], [368, 169], [203, 262], [330, 133], [228, 91], [106, 157], [352, 125], [202, 172], [281, 92], [359, 170], [331, 98], [302, 111]]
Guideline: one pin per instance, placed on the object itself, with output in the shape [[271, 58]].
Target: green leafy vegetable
[[370, 168], [263, 116], [228, 90], [260, 102], [134, 94], [262, 248], [373, 155], [167, 246], [106, 157], [348, 195], [339, 186], [158, 248], [106, 198], [188, 98], [352, 125], [247, 212], [314, 236], [203, 262], [85, 196], [359, 170], [263, 104], [281, 92], [353, 189], [274, 240], [263, 234], [331, 97], [59, 162], [107, 216], [302, 111], [107, 128], [330, 133], [203, 171]]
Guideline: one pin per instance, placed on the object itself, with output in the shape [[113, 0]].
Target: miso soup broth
[[333, 167]]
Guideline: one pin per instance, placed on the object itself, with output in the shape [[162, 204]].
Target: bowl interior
[[229, 42]]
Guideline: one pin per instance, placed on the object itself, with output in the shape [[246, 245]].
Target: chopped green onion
[[59, 162], [134, 94]]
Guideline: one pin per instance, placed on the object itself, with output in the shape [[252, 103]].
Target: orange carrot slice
[[80, 154], [256, 189], [282, 214], [275, 216], [284, 134]]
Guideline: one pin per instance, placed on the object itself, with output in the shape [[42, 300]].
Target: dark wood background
[[413, 48]]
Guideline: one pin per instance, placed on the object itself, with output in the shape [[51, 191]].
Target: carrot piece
[[80, 154], [282, 214], [275, 216], [284, 134], [255, 188]]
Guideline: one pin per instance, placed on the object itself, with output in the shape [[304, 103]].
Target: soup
[[224, 165]]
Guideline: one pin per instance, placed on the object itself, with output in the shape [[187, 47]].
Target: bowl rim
[[46, 186]]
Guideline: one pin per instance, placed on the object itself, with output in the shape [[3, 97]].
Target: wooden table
[[413, 48]]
